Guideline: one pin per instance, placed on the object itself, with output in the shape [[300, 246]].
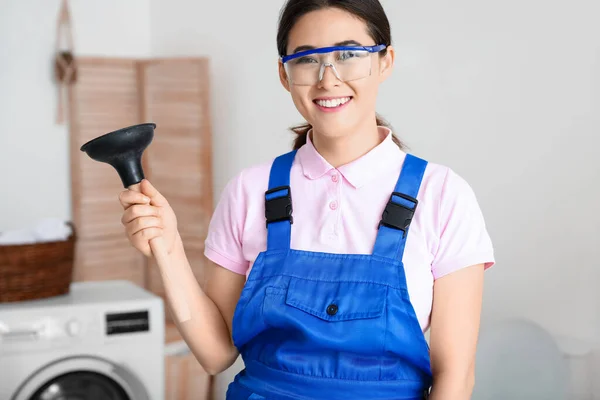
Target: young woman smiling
[[330, 262]]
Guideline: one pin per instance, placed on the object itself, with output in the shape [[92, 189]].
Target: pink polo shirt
[[338, 211]]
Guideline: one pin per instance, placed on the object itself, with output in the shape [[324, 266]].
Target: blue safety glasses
[[348, 63]]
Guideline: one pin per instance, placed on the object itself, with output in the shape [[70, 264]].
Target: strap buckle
[[397, 215], [278, 208]]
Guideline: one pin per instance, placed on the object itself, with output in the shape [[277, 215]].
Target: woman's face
[[350, 104]]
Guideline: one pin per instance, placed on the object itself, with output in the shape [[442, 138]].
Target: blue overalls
[[313, 325]]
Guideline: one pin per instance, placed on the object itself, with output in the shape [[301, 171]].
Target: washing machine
[[102, 341]]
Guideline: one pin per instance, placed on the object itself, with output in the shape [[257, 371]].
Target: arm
[[206, 327], [212, 304], [455, 320]]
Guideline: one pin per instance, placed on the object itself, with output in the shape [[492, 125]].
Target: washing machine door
[[82, 378]]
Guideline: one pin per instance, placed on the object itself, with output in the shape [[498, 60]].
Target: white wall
[[34, 151], [250, 109], [507, 93]]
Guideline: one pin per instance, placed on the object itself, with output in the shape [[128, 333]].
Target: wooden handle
[[172, 283]]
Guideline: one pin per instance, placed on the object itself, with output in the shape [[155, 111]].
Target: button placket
[[337, 201], [333, 205], [335, 178]]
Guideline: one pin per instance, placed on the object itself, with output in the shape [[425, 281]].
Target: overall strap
[[278, 203], [398, 213]]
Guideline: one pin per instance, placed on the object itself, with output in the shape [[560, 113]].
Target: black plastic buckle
[[398, 216], [280, 207]]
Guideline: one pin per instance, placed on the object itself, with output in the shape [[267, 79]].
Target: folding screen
[[114, 93]]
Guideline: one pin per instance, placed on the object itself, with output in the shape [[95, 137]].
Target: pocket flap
[[337, 301]]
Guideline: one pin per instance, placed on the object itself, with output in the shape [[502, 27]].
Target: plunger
[[123, 150]]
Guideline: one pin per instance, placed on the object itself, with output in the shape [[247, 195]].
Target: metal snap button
[[332, 309]]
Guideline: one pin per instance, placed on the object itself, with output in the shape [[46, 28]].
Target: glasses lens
[[349, 64], [352, 64]]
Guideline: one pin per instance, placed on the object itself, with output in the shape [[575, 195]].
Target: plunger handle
[[159, 251]]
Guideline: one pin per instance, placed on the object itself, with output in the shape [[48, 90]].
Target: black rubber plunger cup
[[123, 150]]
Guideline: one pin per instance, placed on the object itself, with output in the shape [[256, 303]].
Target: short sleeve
[[223, 244], [464, 239]]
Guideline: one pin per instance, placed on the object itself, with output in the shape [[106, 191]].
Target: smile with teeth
[[332, 103]]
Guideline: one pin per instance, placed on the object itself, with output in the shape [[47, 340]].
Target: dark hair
[[370, 11]]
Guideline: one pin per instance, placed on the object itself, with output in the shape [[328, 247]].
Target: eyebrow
[[344, 43]]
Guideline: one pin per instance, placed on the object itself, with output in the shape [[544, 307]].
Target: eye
[[304, 60], [349, 55]]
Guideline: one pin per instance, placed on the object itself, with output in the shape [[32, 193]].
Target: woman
[[329, 263]]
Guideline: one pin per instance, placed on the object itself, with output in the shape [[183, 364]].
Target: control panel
[[43, 332], [127, 322]]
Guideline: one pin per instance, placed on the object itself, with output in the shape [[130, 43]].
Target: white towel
[[45, 230]]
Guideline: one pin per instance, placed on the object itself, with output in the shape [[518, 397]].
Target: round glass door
[[80, 385], [82, 378]]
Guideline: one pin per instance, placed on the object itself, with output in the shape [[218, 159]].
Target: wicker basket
[[36, 271]]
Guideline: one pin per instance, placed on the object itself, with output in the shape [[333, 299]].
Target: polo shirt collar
[[384, 157]]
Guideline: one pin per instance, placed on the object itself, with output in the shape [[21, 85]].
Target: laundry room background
[[507, 94]]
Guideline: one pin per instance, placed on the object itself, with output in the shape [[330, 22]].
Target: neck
[[342, 150]]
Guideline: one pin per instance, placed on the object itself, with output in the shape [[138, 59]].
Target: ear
[[386, 64], [283, 78]]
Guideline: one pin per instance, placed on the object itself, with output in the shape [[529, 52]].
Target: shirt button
[[332, 309], [334, 178], [333, 205]]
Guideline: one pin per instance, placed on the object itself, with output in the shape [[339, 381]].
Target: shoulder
[[237, 216], [447, 196], [442, 182], [454, 220], [251, 183]]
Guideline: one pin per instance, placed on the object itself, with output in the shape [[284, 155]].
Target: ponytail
[[302, 130]]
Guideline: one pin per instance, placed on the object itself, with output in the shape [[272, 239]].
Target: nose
[[328, 76]]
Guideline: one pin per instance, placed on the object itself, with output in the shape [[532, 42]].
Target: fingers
[[145, 223], [141, 239], [142, 193], [156, 198], [129, 197], [142, 218], [139, 211]]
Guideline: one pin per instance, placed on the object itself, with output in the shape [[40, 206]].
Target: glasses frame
[[322, 50], [370, 49]]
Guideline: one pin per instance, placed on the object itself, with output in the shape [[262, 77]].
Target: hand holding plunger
[[123, 150]]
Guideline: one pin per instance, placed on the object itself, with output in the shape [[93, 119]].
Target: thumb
[[149, 190]]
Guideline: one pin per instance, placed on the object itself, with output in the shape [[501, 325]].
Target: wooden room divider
[[110, 94]]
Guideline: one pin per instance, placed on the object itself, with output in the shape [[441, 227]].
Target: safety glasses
[[348, 63]]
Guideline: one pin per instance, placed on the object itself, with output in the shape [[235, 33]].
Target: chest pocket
[[337, 301], [338, 317]]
